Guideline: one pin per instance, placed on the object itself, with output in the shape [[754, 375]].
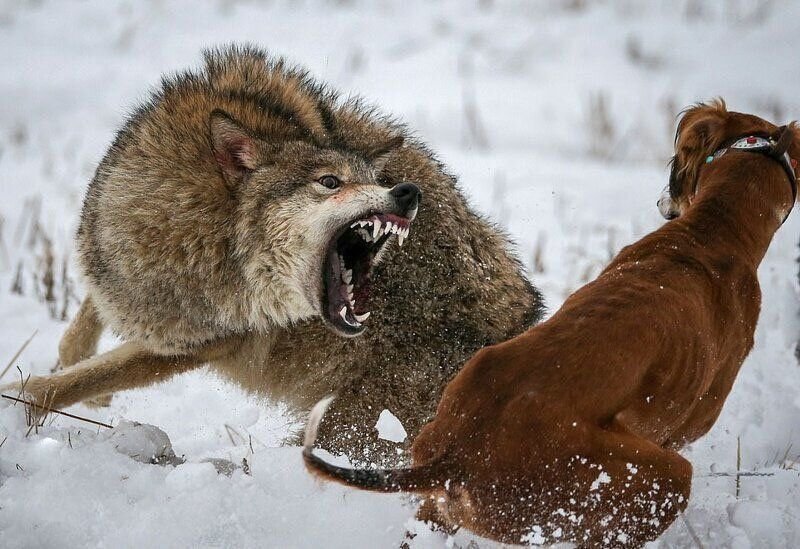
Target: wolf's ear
[[380, 156], [235, 150]]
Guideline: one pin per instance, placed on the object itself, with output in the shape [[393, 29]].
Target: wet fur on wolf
[[189, 264]]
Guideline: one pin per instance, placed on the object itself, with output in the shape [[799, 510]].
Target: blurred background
[[558, 118]]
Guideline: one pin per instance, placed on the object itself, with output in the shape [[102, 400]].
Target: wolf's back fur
[[164, 250]]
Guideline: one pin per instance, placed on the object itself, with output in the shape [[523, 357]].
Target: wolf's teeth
[[353, 226], [362, 223], [343, 314], [361, 318], [400, 239], [388, 228], [376, 228], [347, 276]]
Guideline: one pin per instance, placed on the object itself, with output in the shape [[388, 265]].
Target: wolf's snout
[[407, 196]]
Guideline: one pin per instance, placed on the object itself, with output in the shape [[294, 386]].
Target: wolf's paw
[[7, 390], [102, 401]]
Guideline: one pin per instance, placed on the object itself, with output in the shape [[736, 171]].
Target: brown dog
[[569, 431]]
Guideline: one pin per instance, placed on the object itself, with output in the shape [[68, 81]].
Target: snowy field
[[558, 117]]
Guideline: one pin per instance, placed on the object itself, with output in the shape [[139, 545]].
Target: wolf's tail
[[413, 479]]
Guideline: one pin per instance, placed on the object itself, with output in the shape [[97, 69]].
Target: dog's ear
[[700, 132], [235, 149]]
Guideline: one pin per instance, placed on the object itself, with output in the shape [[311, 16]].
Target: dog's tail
[[413, 479]]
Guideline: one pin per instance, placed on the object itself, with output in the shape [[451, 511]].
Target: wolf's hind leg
[[126, 367], [79, 341]]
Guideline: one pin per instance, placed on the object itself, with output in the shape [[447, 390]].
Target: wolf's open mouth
[[348, 267]]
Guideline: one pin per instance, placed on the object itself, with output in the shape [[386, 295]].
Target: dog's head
[[702, 130], [312, 222]]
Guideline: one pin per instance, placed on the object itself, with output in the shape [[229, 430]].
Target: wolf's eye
[[329, 181]]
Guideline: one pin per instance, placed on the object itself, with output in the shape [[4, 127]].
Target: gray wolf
[[249, 218]]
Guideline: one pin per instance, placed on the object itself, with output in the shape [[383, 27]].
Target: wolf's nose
[[407, 196]]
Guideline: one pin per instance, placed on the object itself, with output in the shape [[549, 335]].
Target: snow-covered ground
[[558, 117]]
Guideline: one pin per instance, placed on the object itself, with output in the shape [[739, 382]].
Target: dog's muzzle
[[666, 206]]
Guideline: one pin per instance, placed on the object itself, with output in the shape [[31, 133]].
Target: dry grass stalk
[[600, 126], [35, 415], [16, 355], [692, 533], [4, 257], [67, 292], [231, 431], [738, 465], [35, 225], [16, 287], [611, 243], [538, 253], [59, 412], [738, 474], [47, 276], [474, 124], [476, 131], [499, 206]]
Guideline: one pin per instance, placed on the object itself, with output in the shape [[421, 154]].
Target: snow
[[602, 478], [557, 116], [141, 442], [389, 427]]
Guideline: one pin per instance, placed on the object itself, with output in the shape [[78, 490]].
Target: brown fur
[[180, 253], [632, 367]]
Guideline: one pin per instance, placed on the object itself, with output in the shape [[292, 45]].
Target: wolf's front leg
[[127, 367]]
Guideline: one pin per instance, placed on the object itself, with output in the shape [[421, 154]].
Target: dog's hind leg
[[80, 339], [632, 492], [127, 367], [430, 514]]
